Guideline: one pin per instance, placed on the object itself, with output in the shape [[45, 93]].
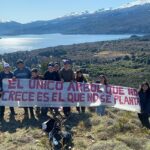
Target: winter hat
[[5, 65]]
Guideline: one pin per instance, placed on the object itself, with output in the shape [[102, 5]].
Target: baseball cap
[[50, 65], [66, 61], [19, 61]]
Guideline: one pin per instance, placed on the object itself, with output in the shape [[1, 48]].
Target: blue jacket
[[24, 73]]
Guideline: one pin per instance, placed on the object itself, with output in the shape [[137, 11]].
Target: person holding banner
[[5, 74], [101, 109], [67, 75], [23, 72], [35, 76], [144, 94], [80, 78], [50, 74]]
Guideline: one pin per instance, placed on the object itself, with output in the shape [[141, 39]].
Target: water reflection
[[29, 42]]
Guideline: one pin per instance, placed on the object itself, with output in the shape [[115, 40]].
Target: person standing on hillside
[[80, 78], [56, 67], [101, 109], [50, 74], [22, 72], [35, 76], [5, 74], [144, 94], [67, 75]]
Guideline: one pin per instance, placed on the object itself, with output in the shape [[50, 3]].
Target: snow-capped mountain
[[4, 21], [135, 3], [131, 18]]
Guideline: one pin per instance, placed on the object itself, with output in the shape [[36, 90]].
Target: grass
[[114, 131]]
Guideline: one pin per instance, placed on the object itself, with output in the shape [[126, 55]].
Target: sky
[[31, 10]]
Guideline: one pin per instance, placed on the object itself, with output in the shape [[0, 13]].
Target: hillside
[[123, 20], [132, 56], [117, 130], [125, 62]]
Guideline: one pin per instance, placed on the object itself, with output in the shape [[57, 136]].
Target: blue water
[[30, 42]]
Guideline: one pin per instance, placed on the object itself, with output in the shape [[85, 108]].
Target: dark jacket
[[4, 75], [81, 79], [37, 78], [51, 76], [67, 75], [145, 101]]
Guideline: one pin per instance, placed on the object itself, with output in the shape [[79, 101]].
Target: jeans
[[80, 109], [26, 111], [101, 110]]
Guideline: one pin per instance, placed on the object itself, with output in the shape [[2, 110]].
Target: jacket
[[51, 76], [4, 75], [145, 101]]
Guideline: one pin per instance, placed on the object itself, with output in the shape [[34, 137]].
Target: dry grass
[[111, 54], [114, 131]]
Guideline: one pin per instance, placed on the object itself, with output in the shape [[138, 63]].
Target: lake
[[30, 42]]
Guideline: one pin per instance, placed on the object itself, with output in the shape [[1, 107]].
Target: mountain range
[[132, 18]]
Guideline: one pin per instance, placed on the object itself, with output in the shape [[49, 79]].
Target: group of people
[[66, 74], [53, 72]]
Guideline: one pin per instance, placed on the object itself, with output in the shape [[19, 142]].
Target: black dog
[[58, 139]]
